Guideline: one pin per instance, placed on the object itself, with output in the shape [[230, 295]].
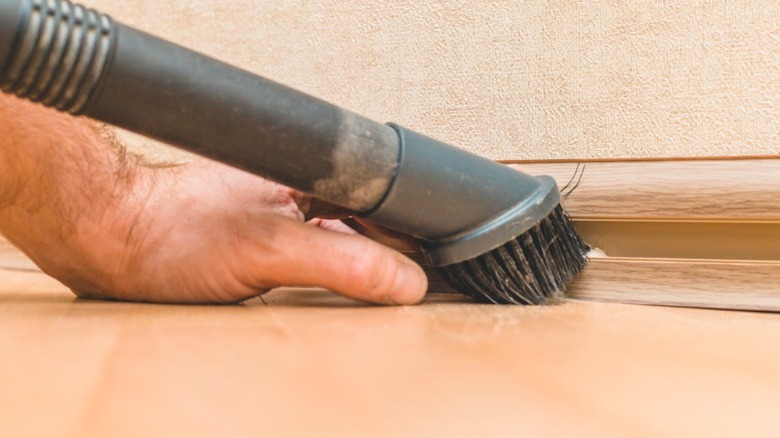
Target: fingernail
[[410, 284]]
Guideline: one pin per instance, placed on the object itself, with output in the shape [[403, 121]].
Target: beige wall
[[513, 79]]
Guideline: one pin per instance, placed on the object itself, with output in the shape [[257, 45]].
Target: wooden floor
[[307, 363]]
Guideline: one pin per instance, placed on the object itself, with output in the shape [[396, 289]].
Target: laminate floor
[[308, 363]]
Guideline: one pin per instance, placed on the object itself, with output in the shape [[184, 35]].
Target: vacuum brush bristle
[[533, 268]]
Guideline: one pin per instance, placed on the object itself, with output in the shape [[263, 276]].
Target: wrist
[[109, 243]]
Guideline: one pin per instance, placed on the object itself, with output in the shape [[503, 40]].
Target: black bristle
[[533, 268]]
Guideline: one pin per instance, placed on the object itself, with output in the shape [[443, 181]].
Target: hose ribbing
[[60, 55]]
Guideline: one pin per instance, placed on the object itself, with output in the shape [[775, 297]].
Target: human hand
[[204, 232]]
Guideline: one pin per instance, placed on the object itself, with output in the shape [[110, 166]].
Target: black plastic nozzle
[[460, 204]]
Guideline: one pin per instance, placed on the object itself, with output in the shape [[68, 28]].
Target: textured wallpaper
[[513, 79]]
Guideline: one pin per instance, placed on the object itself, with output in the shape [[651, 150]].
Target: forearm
[[58, 180]]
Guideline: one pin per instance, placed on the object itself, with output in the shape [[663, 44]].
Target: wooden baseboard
[[697, 233], [721, 284], [678, 190], [716, 284]]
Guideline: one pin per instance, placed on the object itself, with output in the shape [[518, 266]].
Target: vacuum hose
[[81, 61]]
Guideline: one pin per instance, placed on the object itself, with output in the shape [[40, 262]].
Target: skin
[[108, 227]]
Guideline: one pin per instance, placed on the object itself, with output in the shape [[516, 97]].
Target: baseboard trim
[[678, 232]]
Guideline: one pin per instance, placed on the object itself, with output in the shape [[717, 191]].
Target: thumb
[[351, 265]]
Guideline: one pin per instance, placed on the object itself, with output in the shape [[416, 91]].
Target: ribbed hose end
[[60, 54]]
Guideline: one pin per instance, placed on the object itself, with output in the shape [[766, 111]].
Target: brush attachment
[[533, 268], [496, 234]]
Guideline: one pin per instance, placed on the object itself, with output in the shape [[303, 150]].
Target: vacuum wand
[[460, 205]]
